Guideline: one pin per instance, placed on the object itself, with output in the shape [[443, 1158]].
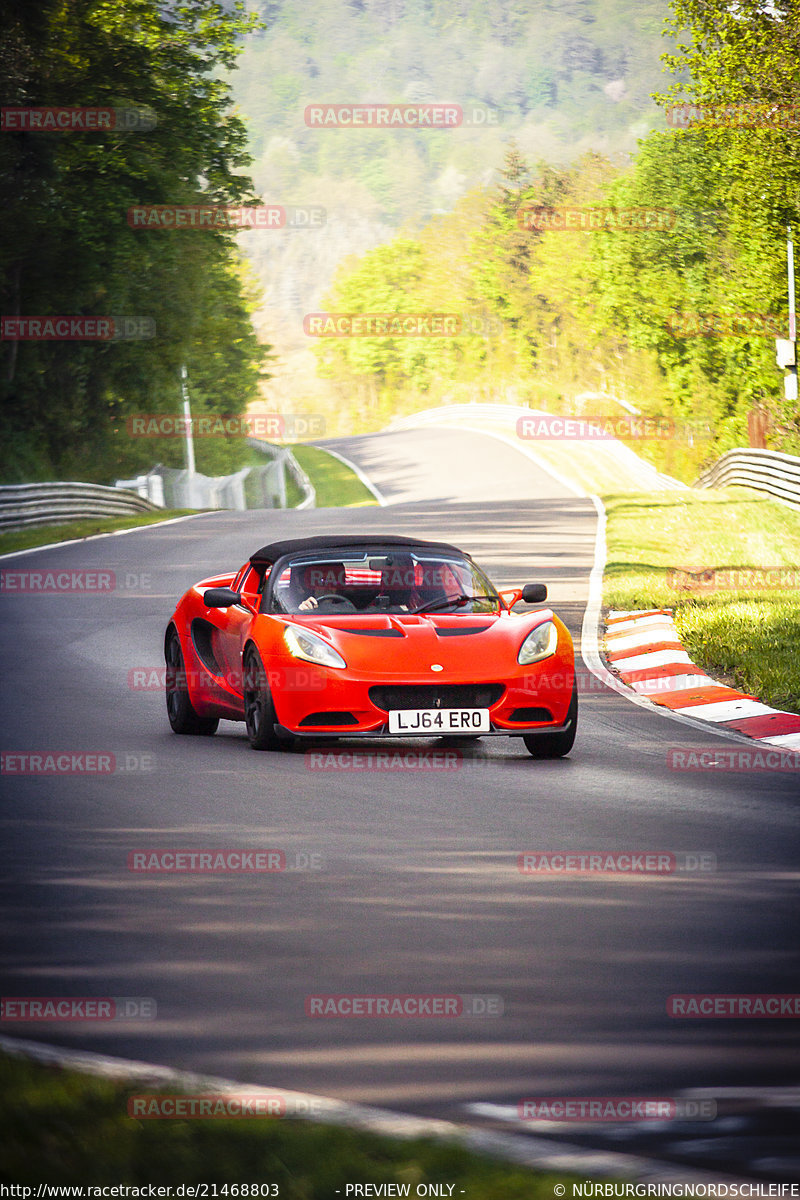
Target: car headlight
[[301, 643], [540, 643]]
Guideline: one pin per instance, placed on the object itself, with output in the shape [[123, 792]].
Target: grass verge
[[62, 1127], [704, 554], [43, 535], [336, 485]]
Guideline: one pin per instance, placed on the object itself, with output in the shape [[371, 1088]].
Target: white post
[[188, 438], [790, 272], [280, 464], [155, 490], [790, 382]]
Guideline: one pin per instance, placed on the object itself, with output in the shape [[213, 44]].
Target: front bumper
[[347, 732], [540, 697]]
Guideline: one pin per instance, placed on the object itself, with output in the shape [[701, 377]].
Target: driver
[[321, 582]]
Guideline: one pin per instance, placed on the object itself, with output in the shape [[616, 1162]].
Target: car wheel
[[556, 745], [259, 710], [182, 716]]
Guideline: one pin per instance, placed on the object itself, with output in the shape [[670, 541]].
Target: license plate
[[439, 720]]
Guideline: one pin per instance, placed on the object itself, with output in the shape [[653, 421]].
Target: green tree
[[744, 59], [66, 247]]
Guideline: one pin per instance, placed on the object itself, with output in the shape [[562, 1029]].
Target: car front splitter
[[384, 736]]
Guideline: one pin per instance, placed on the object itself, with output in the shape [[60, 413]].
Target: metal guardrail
[[303, 482], [283, 455], [765, 470], [169, 487], [30, 504], [54, 503], [252, 487]]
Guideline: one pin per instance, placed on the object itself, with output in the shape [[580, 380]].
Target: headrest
[[319, 578], [401, 574]]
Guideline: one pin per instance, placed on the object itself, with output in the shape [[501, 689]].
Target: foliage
[[66, 247], [62, 1127], [600, 311], [555, 76]]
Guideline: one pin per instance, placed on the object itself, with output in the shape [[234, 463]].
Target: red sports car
[[369, 637]]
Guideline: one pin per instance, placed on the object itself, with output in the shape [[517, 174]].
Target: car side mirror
[[221, 597], [534, 593]]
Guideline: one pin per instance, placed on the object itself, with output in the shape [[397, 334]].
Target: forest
[[672, 308], [68, 249], [609, 222]]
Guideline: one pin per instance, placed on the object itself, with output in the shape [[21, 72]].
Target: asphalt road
[[437, 466], [418, 889]]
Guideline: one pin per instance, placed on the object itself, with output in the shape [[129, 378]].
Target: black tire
[[182, 716], [556, 745], [259, 710]]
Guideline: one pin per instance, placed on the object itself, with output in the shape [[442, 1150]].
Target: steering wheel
[[335, 598]]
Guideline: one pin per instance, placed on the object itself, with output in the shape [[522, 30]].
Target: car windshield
[[381, 580]]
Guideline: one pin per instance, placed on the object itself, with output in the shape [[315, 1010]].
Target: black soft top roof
[[276, 550]]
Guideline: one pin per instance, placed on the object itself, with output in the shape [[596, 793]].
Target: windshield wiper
[[455, 602]]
